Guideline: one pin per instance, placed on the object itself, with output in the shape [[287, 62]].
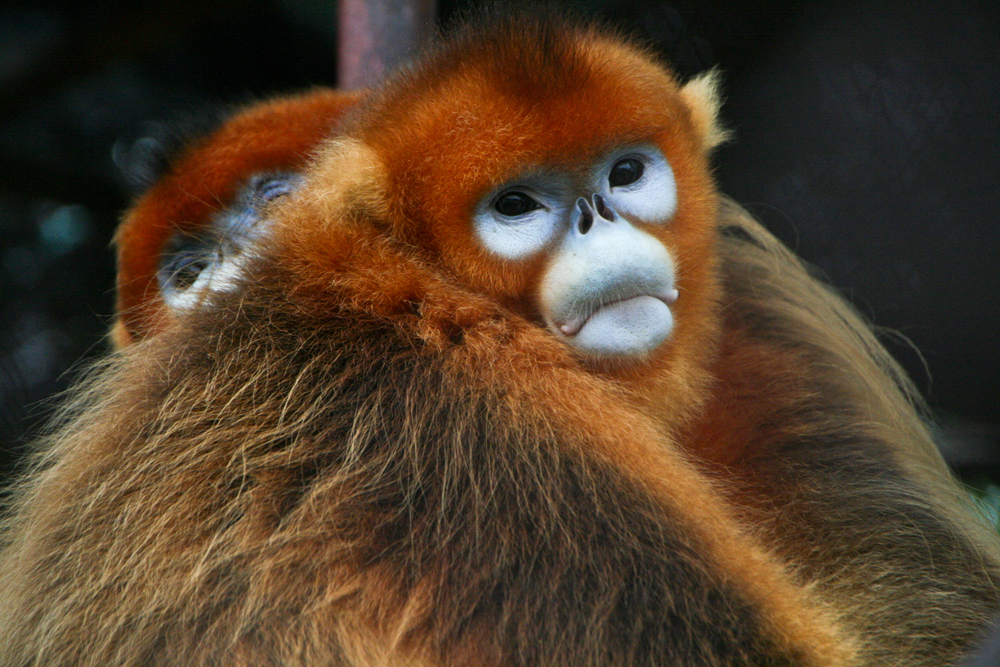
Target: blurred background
[[867, 138]]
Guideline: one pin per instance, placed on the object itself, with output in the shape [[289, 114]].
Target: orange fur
[[372, 451]]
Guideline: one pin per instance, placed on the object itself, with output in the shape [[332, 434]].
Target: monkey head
[[185, 235], [566, 177]]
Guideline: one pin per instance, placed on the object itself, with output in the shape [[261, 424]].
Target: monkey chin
[[626, 330]]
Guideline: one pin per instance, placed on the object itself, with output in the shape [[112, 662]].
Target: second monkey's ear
[[703, 98]]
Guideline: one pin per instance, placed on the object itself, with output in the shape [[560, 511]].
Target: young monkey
[[479, 369]]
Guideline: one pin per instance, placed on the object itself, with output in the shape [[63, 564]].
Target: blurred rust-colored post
[[378, 35]]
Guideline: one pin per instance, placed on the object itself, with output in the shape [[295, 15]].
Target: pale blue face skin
[[214, 259], [608, 286]]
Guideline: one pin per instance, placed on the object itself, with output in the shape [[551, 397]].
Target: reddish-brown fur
[[373, 452]]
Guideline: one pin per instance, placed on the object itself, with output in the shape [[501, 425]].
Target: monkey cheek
[[628, 328]]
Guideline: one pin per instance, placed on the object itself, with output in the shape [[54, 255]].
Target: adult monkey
[[495, 378]]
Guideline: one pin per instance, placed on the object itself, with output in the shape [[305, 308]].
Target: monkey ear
[[703, 98]]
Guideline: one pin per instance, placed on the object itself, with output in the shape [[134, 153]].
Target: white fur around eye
[[653, 198], [522, 236], [223, 276]]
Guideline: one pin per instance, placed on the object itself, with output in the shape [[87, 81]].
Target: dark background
[[867, 138]]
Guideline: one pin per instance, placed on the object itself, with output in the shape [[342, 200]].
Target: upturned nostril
[[586, 215], [603, 209]]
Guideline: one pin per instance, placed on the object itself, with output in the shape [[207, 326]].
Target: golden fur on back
[[835, 463]]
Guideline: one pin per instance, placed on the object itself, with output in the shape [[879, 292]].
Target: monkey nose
[[603, 208], [595, 209]]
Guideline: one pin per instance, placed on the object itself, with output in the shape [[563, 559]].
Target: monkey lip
[[573, 325]]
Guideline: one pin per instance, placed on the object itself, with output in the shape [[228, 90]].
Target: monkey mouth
[[617, 309]]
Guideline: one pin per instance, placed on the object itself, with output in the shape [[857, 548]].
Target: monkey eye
[[184, 261], [513, 204], [519, 218], [184, 271], [267, 189], [625, 172]]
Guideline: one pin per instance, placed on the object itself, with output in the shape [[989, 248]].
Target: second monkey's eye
[[625, 172], [265, 189], [513, 204]]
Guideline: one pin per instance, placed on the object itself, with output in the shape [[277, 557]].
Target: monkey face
[[212, 257], [191, 233], [607, 285]]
